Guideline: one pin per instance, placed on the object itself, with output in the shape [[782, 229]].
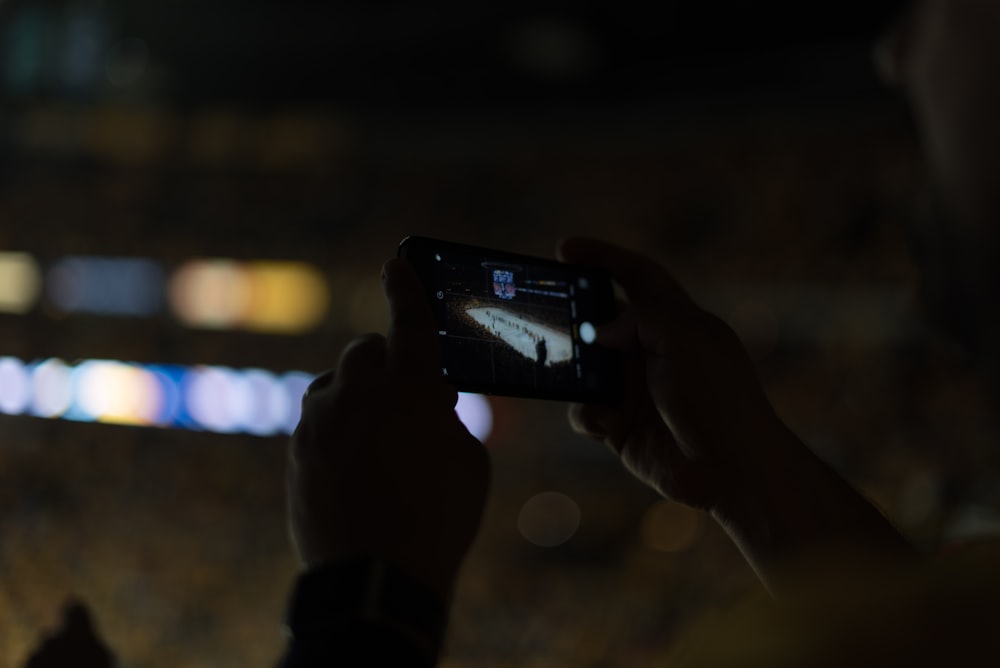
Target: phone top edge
[[421, 243]]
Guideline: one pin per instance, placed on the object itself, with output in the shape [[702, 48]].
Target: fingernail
[[319, 382], [386, 268]]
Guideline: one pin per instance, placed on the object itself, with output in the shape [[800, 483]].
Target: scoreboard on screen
[[503, 284]]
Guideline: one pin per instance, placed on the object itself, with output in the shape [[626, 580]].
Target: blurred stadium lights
[[107, 286], [23, 51], [109, 391], [211, 294], [51, 389], [204, 398], [55, 49], [80, 61], [267, 296], [289, 297], [263, 296], [15, 386], [126, 61], [225, 401], [20, 282], [217, 137]]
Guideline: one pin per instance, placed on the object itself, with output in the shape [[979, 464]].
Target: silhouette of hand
[[694, 423], [75, 643], [380, 465]]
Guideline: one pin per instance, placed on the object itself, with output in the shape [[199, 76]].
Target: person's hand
[[75, 643], [696, 426], [380, 464], [694, 421]]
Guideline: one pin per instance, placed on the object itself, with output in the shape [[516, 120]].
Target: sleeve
[[362, 612]]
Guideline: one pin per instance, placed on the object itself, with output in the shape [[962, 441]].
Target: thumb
[[602, 423], [620, 333]]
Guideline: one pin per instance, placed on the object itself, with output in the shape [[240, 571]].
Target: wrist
[[369, 591], [779, 499], [775, 465], [793, 509], [435, 576]]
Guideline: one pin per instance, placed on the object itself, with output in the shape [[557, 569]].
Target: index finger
[[413, 345], [641, 277]]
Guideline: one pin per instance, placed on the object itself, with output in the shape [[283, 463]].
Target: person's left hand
[[380, 464]]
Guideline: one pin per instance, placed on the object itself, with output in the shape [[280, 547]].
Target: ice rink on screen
[[558, 344]]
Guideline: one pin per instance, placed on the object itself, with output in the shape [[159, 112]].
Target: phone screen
[[515, 325]]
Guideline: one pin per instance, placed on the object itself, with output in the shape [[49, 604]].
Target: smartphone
[[516, 325]]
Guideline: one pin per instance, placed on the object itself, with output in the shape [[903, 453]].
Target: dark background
[[762, 162]]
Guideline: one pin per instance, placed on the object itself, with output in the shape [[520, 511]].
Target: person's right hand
[[694, 423]]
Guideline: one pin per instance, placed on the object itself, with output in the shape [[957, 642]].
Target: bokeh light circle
[[668, 526], [549, 519], [268, 401], [295, 384], [52, 389], [111, 391], [209, 396], [15, 386]]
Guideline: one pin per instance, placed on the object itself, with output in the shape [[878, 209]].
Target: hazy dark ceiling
[[496, 54]]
